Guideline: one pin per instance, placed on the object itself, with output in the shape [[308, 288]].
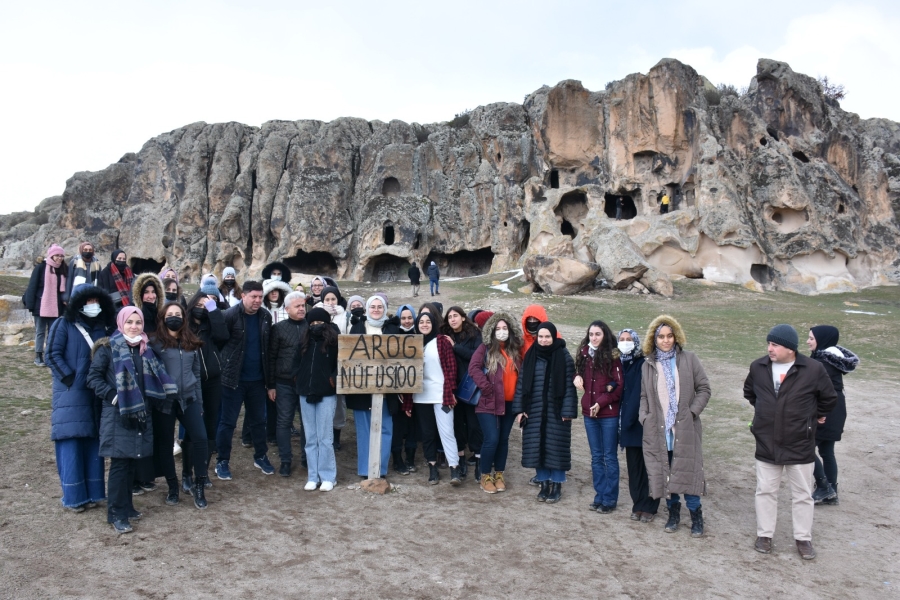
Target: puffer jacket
[[836, 367], [492, 387], [553, 441], [595, 383], [463, 350], [184, 367], [214, 335], [117, 438], [286, 345], [316, 368], [233, 352], [434, 273], [784, 424], [76, 411]]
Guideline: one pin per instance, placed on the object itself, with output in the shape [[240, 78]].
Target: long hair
[[189, 340], [329, 337], [603, 356], [468, 331], [238, 292], [433, 310], [494, 358]]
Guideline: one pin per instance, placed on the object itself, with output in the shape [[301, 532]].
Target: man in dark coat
[[790, 394], [434, 276], [415, 275], [245, 378]]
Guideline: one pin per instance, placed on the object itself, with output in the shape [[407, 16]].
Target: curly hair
[[468, 331], [603, 356]]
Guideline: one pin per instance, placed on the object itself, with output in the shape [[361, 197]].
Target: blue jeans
[[495, 442], [252, 394], [603, 437], [435, 285], [553, 475], [80, 469], [318, 423], [363, 421], [692, 501]]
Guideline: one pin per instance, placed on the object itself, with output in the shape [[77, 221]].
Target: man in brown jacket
[[790, 394]]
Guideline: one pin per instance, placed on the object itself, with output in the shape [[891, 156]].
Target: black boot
[[433, 474], [545, 491], [172, 496], [462, 469], [674, 517], [337, 440], [555, 493], [400, 466], [697, 522], [833, 501], [823, 492], [478, 469], [411, 460], [39, 359], [187, 482], [455, 477], [199, 493]]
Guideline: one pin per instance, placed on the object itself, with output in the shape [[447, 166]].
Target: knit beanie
[[784, 335], [55, 249], [318, 314], [208, 286], [482, 317], [228, 271]]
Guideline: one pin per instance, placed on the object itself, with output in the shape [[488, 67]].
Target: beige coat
[[685, 476]]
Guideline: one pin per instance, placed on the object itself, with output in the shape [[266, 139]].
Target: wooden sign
[[380, 364]]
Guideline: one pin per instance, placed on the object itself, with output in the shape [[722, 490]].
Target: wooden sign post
[[378, 365]]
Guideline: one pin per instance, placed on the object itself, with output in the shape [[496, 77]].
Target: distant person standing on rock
[[618, 208], [46, 296], [664, 203], [116, 279], [838, 361], [84, 268], [415, 275], [434, 276], [790, 394]]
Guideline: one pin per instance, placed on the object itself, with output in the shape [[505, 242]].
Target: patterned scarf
[[123, 284], [665, 359], [157, 383]]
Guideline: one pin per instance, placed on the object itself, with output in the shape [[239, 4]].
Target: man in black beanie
[[790, 394]]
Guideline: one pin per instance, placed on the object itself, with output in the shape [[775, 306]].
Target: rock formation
[[774, 189]]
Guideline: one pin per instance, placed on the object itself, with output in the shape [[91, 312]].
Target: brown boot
[[806, 550], [498, 481], [763, 545], [487, 484]]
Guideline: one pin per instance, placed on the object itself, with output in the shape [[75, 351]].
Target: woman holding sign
[[374, 323]]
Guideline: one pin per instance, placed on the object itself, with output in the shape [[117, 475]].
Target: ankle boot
[[674, 517], [545, 491], [455, 477], [39, 359], [823, 492], [411, 460], [187, 482], [833, 501], [555, 493], [433, 474], [697, 522], [172, 496], [337, 440], [463, 468], [400, 466], [199, 493]]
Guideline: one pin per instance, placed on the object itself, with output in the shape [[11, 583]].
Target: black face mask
[[198, 313], [121, 265], [229, 283], [358, 312], [317, 330], [87, 255], [171, 296], [532, 328], [174, 323]]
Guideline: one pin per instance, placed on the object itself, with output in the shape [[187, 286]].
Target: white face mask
[[501, 334], [91, 310], [131, 340], [276, 278], [626, 347]]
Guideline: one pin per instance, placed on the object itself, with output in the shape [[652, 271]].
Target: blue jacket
[[631, 431], [76, 410]]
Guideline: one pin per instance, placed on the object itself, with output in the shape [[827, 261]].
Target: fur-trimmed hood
[[80, 296], [285, 271], [104, 341], [648, 345], [270, 286], [845, 363], [491, 323], [140, 282]]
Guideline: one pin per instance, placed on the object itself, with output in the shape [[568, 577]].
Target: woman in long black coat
[[546, 403]]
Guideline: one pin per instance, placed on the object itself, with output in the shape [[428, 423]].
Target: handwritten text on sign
[[379, 364]]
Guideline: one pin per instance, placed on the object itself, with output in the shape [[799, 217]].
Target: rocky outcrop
[[560, 275], [775, 189]]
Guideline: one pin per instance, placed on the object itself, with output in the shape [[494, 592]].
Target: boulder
[[16, 322], [559, 275]]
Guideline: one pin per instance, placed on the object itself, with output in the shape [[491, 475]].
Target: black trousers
[[164, 439], [144, 469], [428, 429], [466, 428], [638, 484], [212, 403], [405, 431], [119, 503]]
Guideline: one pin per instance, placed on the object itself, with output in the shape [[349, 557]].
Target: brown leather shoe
[[499, 482], [647, 517], [764, 545], [806, 550]]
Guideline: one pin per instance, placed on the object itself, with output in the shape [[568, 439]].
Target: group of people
[[127, 364]]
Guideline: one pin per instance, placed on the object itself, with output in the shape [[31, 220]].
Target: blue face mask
[[91, 310]]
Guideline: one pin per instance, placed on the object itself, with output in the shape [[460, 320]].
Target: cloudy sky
[[86, 82]]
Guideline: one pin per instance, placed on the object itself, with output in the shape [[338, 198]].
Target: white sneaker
[[176, 450], [310, 486], [327, 486]]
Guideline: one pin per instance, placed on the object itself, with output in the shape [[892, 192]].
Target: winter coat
[[35, 290], [784, 424], [630, 430], [364, 401], [836, 367], [433, 272], [685, 475], [233, 352], [90, 273], [464, 350], [285, 347], [492, 401], [595, 383], [316, 370], [184, 367], [107, 282], [415, 275], [118, 439], [75, 407], [214, 335], [551, 440], [150, 313]]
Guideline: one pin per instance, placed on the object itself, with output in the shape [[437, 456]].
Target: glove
[[210, 305], [68, 380]]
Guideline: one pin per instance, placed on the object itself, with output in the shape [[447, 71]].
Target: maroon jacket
[[491, 385], [595, 388]]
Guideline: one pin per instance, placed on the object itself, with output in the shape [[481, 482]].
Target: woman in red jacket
[[598, 373]]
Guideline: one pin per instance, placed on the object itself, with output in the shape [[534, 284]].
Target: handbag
[[467, 391]]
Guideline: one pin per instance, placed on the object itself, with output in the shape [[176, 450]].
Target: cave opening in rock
[[390, 187], [145, 265], [554, 179], [789, 220], [763, 141], [571, 209], [417, 241], [567, 229], [800, 156], [388, 234], [499, 157], [314, 263], [841, 208], [763, 274], [386, 267], [465, 263], [771, 131], [526, 236], [629, 210]]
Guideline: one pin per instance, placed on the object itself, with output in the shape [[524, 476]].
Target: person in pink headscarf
[[46, 296]]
